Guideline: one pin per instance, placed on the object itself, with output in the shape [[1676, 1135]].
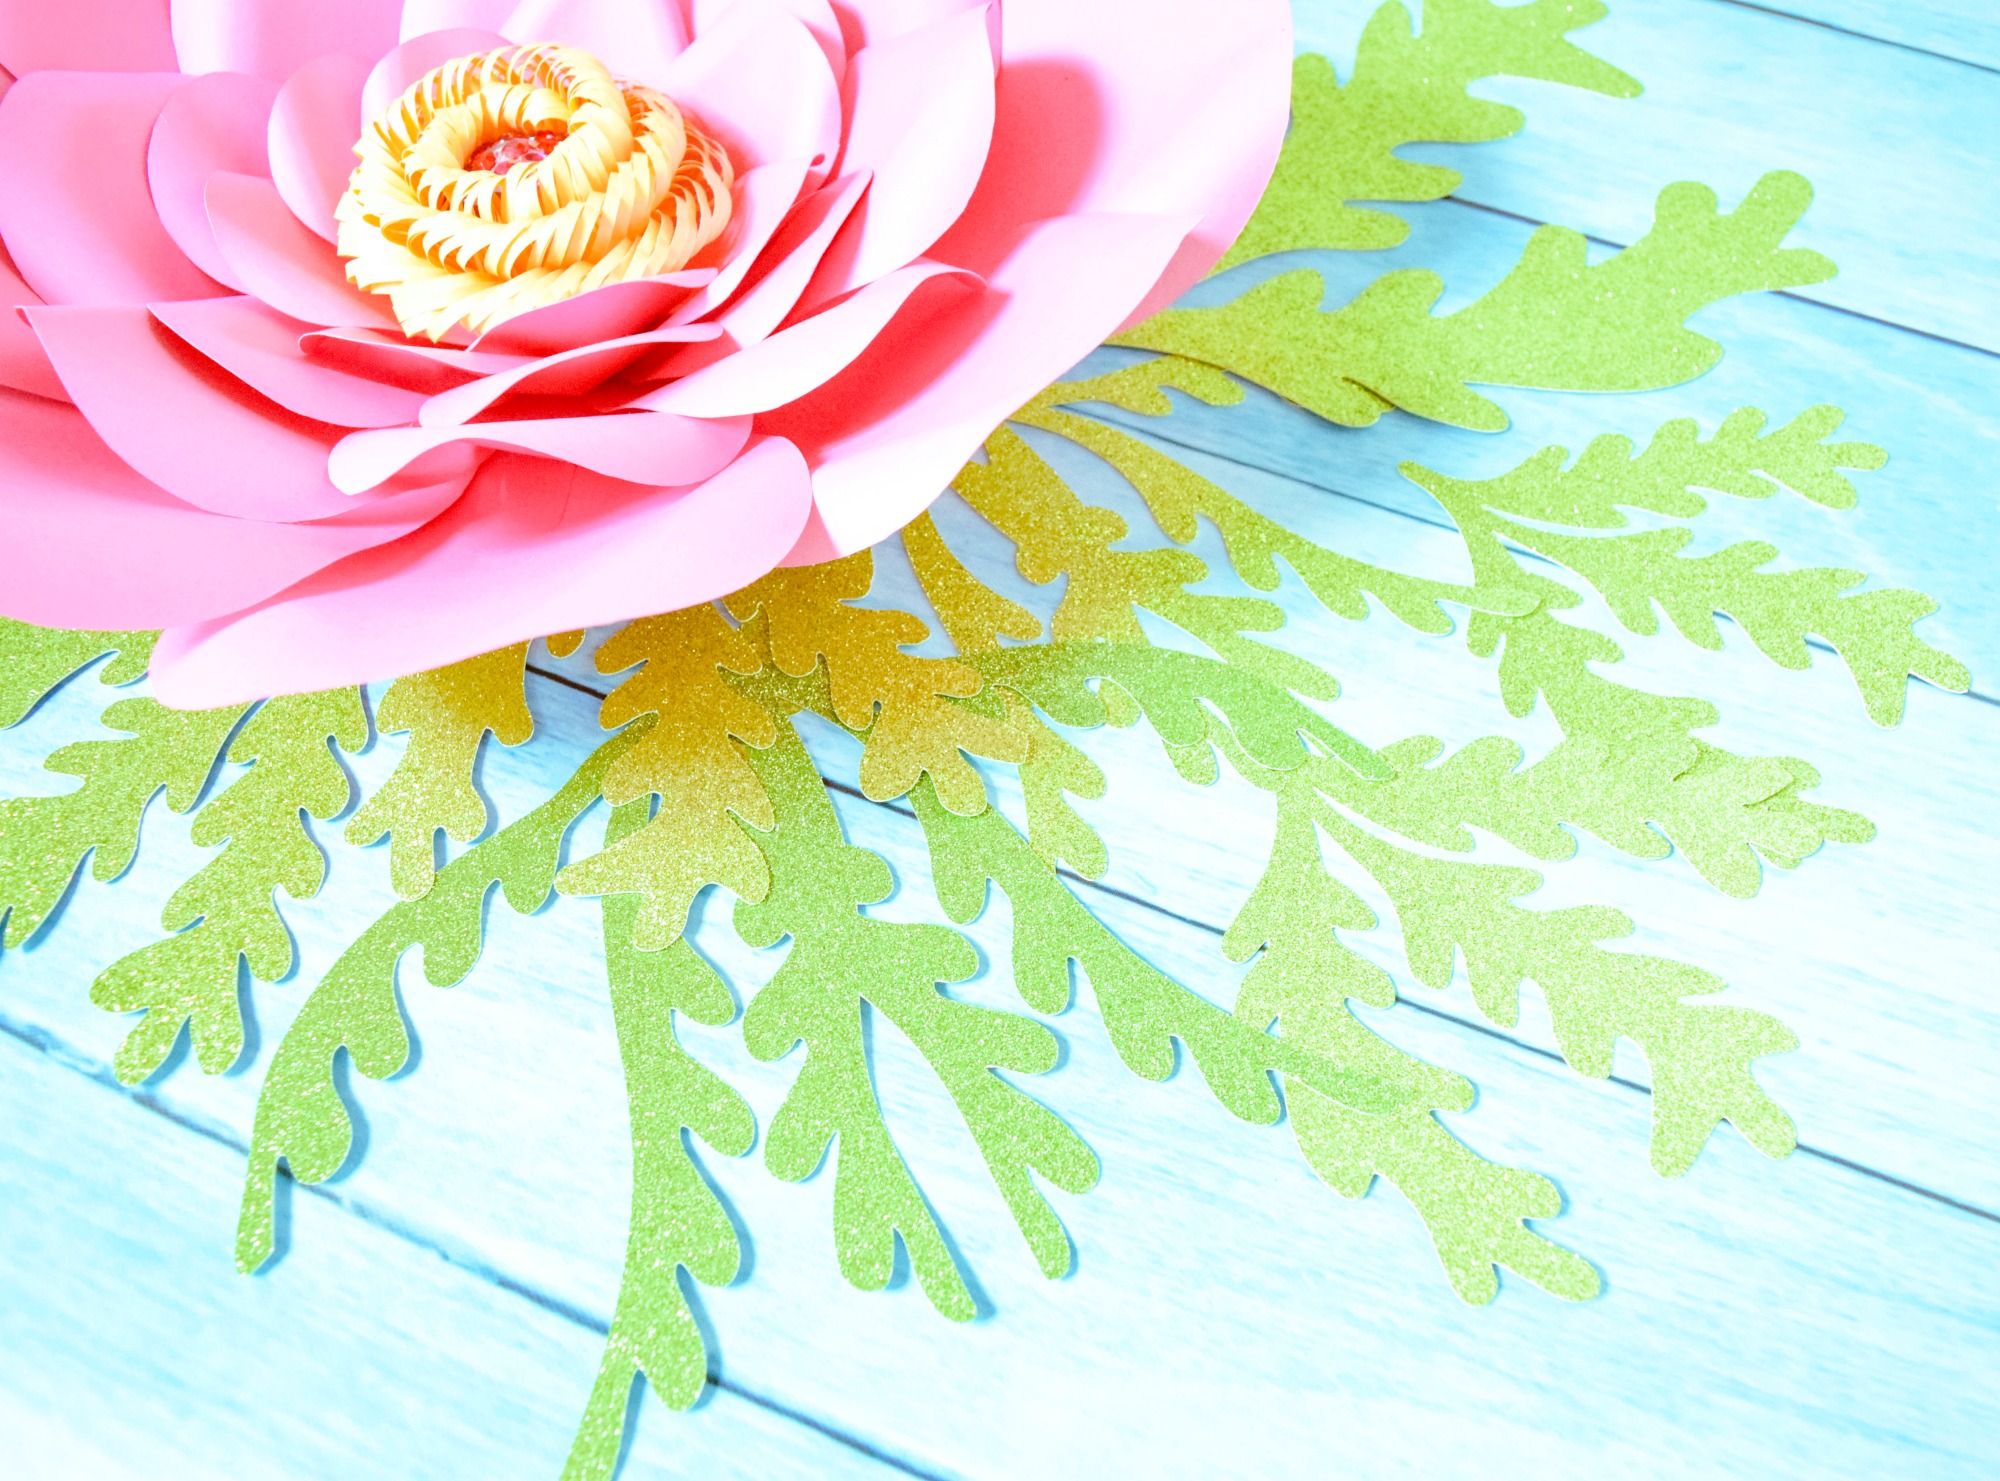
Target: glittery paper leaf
[[44, 839], [1360, 1107], [843, 962], [689, 762], [34, 660], [447, 713], [226, 913], [677, 1220], [1556, 321], [1409, 87], [301, 1119]]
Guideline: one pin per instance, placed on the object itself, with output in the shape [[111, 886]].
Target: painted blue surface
[[439, 1307]]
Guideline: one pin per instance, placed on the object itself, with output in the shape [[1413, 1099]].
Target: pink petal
[[794, 361], [817, 16], [260, 347], [762, 84], [867, 22], [24, 364], [920, 117], [311, 134], [385, 356], [764, 198], [75, 209], [648, 447], [637, 39], [532, 547], [214, 123], [1183, 104], [411, 60], [420, 16], [280, 261], [188, 426], [274, 38], [92, 544], [793, 255], [603, 313], [86, 36], [887, 434], [569, 373]]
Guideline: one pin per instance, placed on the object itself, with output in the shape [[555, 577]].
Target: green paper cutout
[[34, 660], [1555, 322], [677, 1220], [301, 1119], [447, 713], [689, 762], [44, 839], [1408, 88], [225, 913], [842, 958]]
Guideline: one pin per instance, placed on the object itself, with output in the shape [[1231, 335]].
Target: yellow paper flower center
[[511, 179]]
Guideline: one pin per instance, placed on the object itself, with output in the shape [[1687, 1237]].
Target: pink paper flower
[[575, 342]]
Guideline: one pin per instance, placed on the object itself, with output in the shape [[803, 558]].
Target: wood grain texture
[[438, 1309]]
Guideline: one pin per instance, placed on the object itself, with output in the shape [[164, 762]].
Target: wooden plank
[[1964, 30], [129, 1346], [1898, 146]]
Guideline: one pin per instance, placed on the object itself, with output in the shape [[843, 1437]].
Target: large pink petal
[[648, 447], [603, 313], [762, 84], [817, 15], [794, 361], [260, 347], [420, 16], [1148, 106], [920, 117], [887, 434], [92, 544], [24, 364], [188, 426], [274, 38], [637, 39], [215, 123], [86, 36], [280, 261], [569, 373], [533, 547], [385, 356], [764, 200], [310, 137], [411, 60], [866, 22], [75, 209]]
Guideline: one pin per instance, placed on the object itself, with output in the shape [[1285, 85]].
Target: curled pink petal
[[214, 123], [260, 347], [920, 119], [608, 312], [887, 434], [816, 15], [278, 260], [309, 139], [92, 544], [420, 16], [86, 36], [185, 424], [568, 373], [803, 357], [866, 22], [642, 36], [384, 356], [762, 84], [1123, 106], [75, 209], [648, 447], [765, 197], [24, 364], [274, 38], [409, 61], [532, 547]]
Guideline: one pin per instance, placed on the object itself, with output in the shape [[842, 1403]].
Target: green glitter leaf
[[35, 660], [225, 913]]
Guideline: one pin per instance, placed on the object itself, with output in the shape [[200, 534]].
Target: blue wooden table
[[438, 1309]]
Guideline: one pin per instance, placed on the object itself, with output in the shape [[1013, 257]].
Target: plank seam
[[67, 1055], [1820, 25]]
